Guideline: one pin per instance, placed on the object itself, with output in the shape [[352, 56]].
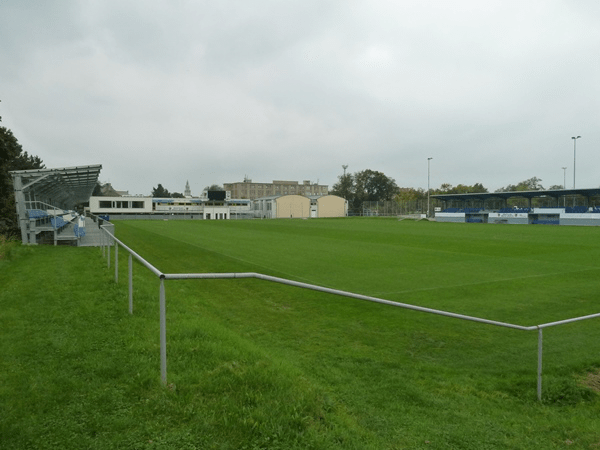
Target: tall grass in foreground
[[255, 365], [7, 247]]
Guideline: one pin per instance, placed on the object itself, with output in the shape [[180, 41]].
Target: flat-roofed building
[[248, 189]]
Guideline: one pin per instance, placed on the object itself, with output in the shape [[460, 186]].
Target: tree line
[[373, 186], [12, 157], [161, 192]]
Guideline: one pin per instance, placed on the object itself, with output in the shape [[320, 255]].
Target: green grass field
[[253, 364]]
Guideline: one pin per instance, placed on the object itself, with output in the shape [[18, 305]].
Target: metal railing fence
[[110, 240]]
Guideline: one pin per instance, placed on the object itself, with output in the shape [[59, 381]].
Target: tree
[[214, 187], [374, 186], [12, 157], [447, 188], [104, 190], [368, 185], [344, 187], [177, 195], [532, 184], [410, 200], [160, 192]]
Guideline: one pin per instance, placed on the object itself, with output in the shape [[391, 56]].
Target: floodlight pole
[[564, 183], [574, 162], [428, 177], [574, 156]]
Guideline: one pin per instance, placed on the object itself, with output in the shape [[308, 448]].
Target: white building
[[169, 208]]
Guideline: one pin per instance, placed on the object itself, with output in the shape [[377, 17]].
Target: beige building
[[332, 206], [247, 189], [298, 206]]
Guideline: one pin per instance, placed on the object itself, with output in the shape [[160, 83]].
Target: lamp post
[[574, 156], [574, 161], [565, 183], [428, 177]]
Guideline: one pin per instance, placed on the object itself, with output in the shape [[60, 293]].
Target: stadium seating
[[78, 231], [546, 222], [462, 210], [37, 213], [515, 210], [576, 209]]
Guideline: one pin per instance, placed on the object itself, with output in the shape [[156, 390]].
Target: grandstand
[[547, 207], [47, 202]]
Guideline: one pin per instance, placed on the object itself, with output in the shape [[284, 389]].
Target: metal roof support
[[21, 208]]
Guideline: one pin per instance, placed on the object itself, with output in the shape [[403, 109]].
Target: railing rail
[[112, 240]]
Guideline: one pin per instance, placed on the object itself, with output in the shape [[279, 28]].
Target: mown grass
[[256, 365]]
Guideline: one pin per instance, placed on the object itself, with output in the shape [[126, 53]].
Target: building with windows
[[213, 205], [248, 189]]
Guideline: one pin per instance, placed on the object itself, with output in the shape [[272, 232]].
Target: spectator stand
[[47, 200]]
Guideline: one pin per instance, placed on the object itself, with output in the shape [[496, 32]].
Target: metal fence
[[397, 208], [109, 240]]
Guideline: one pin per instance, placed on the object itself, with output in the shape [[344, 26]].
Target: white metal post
[[116, 262], [539, 371], [163, 334], [108, 251], [130, 284]]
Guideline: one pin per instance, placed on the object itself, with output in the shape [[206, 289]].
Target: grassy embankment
[[255, 365]]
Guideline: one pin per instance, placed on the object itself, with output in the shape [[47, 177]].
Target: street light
[[428, 172], [574, 156], [565, 183]]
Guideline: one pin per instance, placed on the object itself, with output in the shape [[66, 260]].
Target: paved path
[[92, 234]]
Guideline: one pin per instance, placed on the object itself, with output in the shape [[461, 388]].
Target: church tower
[[187, 192]]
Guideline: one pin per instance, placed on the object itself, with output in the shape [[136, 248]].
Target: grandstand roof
[[64, 187], [555, 193]]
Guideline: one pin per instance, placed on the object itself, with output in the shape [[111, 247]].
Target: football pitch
[[523, 275], [393, 362]]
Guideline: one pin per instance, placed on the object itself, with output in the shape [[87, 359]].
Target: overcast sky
[[164, 91]]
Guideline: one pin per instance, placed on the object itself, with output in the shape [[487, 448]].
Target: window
[[137, 204], [105, 204]]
